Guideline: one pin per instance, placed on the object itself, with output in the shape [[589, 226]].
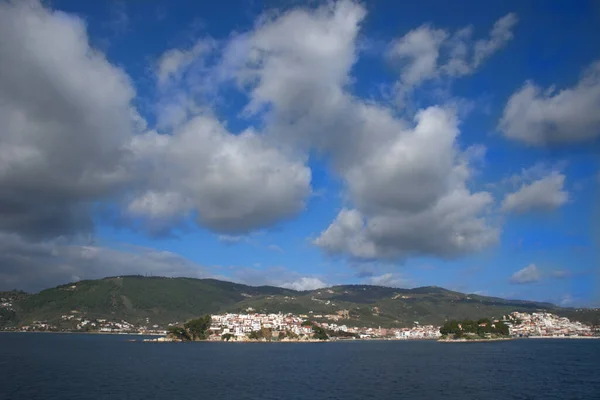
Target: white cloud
[[545, 194], [453, 227], [36, 265], [411, 196], [418, 52], [407, 183], [400, 179], [234, 183], [230, 239], [501, 34], [66, 118], [540, 117], [389, 279], [561, 274], [305, 283], [428, 53], [529, 274], [275, 248], [174, 62], [277, 276], [55, 89]]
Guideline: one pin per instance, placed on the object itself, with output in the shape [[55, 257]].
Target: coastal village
[[290, 327], [545, 325]]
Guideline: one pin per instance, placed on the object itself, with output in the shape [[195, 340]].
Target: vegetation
[[8, 317], [194, 330], [341, 334], [288, 334], [319, 333], [482, 328], [179, 333], [164, 300], [198, 328], [226, 337], [263, 333]]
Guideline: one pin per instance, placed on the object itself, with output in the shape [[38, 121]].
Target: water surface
[[73, 366]]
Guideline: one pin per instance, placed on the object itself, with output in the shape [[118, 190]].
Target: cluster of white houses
[[545, 324], [244, 324], [241, 325]]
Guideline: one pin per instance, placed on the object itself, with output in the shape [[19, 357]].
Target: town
[[291, 327], [545, 325]]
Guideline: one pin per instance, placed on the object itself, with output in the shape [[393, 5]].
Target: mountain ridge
[[163, 300]]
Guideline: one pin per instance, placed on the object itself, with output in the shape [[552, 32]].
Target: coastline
[[89, 333], [155, 338], [479, 340], [559, 337]]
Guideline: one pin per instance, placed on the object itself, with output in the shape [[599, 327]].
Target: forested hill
[[159, 300]]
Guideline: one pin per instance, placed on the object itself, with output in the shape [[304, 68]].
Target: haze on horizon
[[303, 144]]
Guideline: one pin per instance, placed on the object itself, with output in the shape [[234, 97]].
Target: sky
[[303, 144]]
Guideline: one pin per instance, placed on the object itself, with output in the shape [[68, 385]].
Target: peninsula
[[482, 330]]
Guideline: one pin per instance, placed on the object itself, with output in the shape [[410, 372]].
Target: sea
[[79, 366]]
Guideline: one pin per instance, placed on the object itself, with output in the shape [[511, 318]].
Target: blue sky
[[303, 144]]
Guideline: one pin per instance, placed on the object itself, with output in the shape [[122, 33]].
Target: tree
[[307, 323], [254, 335], [501, 328], [178, 332], [195, 329], [227, 337], [319, 333], [266, 333], [289, 334], [198, 328]]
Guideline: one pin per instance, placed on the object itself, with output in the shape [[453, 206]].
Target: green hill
[[158, 300]]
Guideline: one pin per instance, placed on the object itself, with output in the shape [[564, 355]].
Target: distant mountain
[[159, 300]]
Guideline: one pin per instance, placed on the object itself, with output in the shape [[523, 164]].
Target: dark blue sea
[[71, 366]]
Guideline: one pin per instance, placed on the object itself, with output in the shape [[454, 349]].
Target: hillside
[[161, 301]]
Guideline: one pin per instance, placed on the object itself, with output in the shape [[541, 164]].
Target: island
[[482, 330]]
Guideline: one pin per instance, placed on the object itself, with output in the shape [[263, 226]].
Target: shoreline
[[478, 340], [89, 333], [154, 340], [559, 337]]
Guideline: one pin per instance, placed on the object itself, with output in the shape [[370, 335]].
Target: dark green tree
[[178, 332], [501, 328], [255, 335], [227, 337], [198, 328], [319, 333]]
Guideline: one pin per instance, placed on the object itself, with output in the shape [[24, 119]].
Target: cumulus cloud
[[33, 265], [36, 265], [174, 62], [389, 279], [543, 117], [561, 274], [529, 274], [501, 34], [233, 183], [412, 198], [66, 118], [71, 137], [428, 53], [418, 53], [546, 193], [305, 283], [277, 276], [401, 177]]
